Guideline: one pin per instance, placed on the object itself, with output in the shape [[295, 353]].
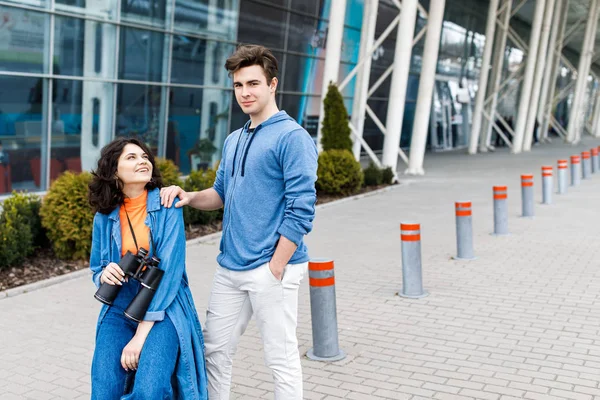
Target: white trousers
[[235, 296]]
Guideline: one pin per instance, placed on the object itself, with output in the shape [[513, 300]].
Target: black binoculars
[[143, 269]]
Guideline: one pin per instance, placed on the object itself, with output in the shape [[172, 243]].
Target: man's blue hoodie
[[266, 180]]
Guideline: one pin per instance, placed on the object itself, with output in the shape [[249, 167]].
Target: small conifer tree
[[335, 132]]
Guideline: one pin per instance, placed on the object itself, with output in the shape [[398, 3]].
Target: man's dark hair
[[247, 55], [105, 189]]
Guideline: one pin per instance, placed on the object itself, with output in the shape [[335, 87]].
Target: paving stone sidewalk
[[520, 322]]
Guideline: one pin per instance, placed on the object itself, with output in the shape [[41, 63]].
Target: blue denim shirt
[[173, 295]]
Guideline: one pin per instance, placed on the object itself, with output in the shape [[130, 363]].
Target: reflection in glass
[[150, 12], [218, 20], [260, 24], [200, 61], [66, 127], [303, 74], [69, 35], [138, 113], [21, 133], [197, 127], [105, 9], [141, 55], [307, 35], [304, 109], [22, 40]]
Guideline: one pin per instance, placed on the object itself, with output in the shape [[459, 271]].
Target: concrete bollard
[[527, 195], [563, 165], [464, 231], [547, 184], [323, 312], [595, 160], [575, 171], [500, 211], [412, 275], [586, 164]]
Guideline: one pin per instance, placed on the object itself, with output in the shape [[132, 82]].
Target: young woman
[[161, 357]]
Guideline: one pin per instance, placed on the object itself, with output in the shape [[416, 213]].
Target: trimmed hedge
[[338, 173]]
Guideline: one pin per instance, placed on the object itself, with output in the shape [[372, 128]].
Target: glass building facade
[[74, 74]]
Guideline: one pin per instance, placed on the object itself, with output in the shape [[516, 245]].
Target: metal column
[[367, 37], [333, 54], [496, 78], [529, 75], [426, 83], [539, 75], [548, 105], [575, 115], [549, 77], [483, 76], [397, 99]]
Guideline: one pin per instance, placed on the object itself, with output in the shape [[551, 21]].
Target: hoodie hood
[[280, 116]]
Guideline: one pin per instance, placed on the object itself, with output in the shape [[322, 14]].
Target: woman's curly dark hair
[[105, 189]]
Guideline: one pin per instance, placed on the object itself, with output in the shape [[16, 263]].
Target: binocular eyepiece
[[143, 269]]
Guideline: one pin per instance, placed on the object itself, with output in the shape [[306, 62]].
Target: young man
[[266, 181]]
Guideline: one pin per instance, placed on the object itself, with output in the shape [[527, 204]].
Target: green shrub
[[67, 216], [335, 130], [338, 173], [16, 240], [387, 176], [373, 175], [169, 172], [196, 181], [28, 206]]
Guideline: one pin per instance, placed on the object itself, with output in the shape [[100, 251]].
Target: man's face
[[252, 91]]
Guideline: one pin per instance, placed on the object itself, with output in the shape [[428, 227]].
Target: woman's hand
[[168, 194], [130, 357], [113, 275]]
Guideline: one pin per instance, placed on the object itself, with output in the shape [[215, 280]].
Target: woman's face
[[134, 165]]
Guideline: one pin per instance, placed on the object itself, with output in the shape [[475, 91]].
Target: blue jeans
[[152, 380]]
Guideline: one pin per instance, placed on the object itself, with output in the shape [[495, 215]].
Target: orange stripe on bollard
[[320, 266], [585, 155], [463, 205], [526, 176], [594, 151], [321, 282], [499, 188], [500, 197], [575, 159], [547, 174], [410, 238], [463, 213], [526, 184], [410, 227]]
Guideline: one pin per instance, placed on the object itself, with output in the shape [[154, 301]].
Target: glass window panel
[[149, 12], [307, 35], [23, 40], [66, 127], [69, 36], [303, 74], [142, 54], [138, 113], [200, 61], [304, 109], [312, 7], [354, 14], [351, 45], [197, 127], [261, 24], [105, 9], [32, 3], [216, 20], [21, 133]]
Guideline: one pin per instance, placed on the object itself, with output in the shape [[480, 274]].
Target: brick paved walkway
[[521, 321]]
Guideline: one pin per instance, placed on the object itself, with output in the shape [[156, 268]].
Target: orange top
[[136, 208]]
